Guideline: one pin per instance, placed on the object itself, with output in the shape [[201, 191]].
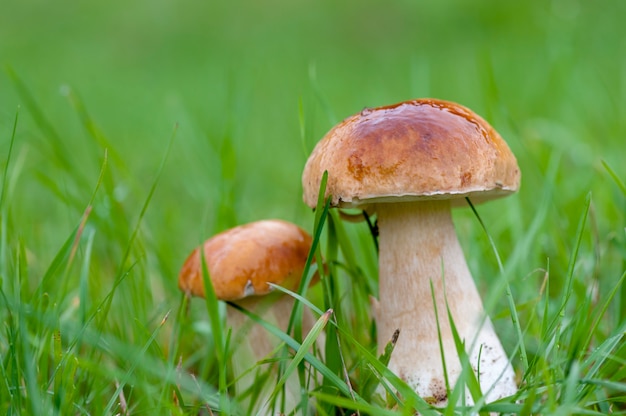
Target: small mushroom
[[241, 262], [410, 163]]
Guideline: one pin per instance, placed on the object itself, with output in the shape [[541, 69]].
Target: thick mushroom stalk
[[419, 247]]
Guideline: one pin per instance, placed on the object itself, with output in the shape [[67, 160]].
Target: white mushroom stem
[[418, 245], [253, 343]]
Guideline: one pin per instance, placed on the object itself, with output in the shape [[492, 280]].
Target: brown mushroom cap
[[243, 260], [413, 150]]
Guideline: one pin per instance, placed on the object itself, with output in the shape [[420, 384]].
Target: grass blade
[[602, 312], [5, 174], [293, 344], [616, 178], [217, 330], [122, 268], [467, 378], [307, 344], [134, 364], [58, 147], [507, 290], [321, 213]]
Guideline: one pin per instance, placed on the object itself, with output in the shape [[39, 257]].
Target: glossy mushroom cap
[[413, 150], [243, 260]]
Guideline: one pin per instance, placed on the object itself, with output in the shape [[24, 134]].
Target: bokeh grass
[[130, 132]]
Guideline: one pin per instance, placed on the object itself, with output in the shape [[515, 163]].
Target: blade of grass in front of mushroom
[[360, 299], [376, 370], [217, 330], [292, 343], [339, 384], [370, 379], [298, 297], [304, 349], [335, 360], [351, 301], [325, 273], [255, 394], [467, 378], [507, 290], [332, 352], [295, 320], [304, 377], [527, 399], [453, 398], [403, 393], [335, 299], [320, 217]]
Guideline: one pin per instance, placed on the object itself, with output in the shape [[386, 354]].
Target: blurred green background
[[262, 81], [246, 89], [252, 86]]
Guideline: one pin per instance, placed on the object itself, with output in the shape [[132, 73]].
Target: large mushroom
[[241, 263], [410, 163]]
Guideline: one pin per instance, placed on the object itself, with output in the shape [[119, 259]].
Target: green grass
[[131, 132]]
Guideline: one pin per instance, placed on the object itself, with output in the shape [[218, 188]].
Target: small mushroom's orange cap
[[243, 260], [413, 150]]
